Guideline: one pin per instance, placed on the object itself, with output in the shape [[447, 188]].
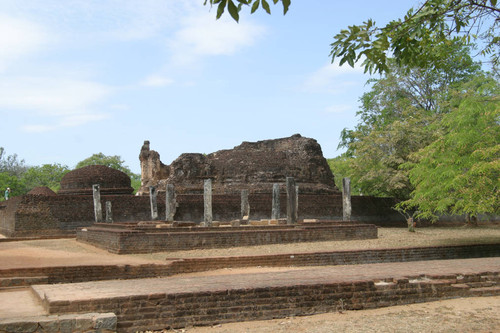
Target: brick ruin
[[253, 166]]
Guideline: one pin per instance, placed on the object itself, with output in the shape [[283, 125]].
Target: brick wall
[[35, 215]]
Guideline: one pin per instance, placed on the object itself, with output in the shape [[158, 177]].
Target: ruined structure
[[80, 181], [42, 212], [254, 166]]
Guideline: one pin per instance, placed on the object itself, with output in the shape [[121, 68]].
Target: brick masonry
[[180, 302], [38, 215], [71, 274], [88, 322], [124, 241]]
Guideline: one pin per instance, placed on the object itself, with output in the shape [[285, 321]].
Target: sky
[[80, 77]]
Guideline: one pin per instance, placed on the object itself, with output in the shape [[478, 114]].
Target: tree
[[409, 40], [394, 120], [49, 175], [341, 168], [459, 172], [14, 183], [114, 162], [11, 164]]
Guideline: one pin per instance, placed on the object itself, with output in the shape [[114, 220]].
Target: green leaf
[[286, 5], [220, 8], [233, 10], [266, 7], [255, 6]]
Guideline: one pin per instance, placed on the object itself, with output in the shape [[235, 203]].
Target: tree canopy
[[49, 175], [459, 172], [409, 40], [394, 120]]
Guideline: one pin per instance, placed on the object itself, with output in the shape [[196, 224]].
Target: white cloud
[[18, 38], [156, 80], [338, 109], [333, 78], [66, 102], [202, 35]]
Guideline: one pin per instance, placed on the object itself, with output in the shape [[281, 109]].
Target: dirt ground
[[478, 314]]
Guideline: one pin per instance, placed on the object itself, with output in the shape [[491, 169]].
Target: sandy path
[[477, 314]]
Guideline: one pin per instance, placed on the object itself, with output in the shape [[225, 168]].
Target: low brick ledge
[[343, 257], [217, 304], [65, 274], [87, 322]]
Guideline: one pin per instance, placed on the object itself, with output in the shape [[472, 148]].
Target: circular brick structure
[[80, 181], [42, 190]]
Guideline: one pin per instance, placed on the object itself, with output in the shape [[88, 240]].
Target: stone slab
[[91, 291], [87, 322]]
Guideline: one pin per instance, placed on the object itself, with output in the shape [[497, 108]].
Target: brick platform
[[127, 238], [15, 277], [184, 301]]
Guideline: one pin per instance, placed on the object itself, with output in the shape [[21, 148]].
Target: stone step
[[485, 291], [83, 322], [481, 284], [22, 281]]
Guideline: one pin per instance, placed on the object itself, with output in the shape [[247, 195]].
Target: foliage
[[234, 7], [410, 40], [459, 172], [114, 162], [11, 164], [49, 175], [340, 167], [14, 183], [394, 120]]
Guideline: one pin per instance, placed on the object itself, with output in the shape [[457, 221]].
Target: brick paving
[[333, 274]]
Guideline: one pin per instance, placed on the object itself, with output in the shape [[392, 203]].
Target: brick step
[[86, 322], [22, 281], [481, 284], [485, 291]]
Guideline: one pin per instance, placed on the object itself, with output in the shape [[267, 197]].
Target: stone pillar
[[96, 191], [346, 199], [171, 204], [154, 204], [291, 201], [275, 212], [296, 202], [207, 201], [245, 205], [109, 213]]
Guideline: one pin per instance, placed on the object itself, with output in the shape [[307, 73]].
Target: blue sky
[[79, 77]]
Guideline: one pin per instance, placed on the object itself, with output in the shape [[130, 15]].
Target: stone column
[[245, 205], [296, 202], [207, 202], [109, 213], [275, 212], [96, 191], [291, 201], [171, 204], [154, 205], [346, 199]]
